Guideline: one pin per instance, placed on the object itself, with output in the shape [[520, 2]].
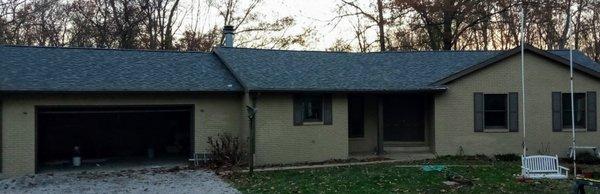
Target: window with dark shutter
[[579, 108], [495, 111], [478, 106], [312, 108], [513, 112], [327, 110], [557, 123], [298, 110], [591, 111]]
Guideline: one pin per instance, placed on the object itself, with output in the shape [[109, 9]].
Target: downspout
[[252, 126], [251, 108]]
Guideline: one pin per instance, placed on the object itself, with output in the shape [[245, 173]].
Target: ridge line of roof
[[259, 49], [345, 52], [104, 49], [262, 49]]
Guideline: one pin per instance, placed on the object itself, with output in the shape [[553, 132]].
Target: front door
[[404, 118]]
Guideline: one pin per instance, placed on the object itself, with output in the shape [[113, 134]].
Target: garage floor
[[116, 164], [113, 136]]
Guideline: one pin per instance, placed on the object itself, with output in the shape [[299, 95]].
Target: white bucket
[[76, 161]]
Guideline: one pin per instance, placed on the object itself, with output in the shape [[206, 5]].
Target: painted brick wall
[[279, 141], [213, 114], [368, 143], [454, 109]]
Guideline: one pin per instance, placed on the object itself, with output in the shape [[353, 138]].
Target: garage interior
[[113, 136]]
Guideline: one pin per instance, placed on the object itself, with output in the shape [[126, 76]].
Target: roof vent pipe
[[228, 33]]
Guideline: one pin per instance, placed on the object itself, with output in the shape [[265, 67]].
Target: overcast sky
[[307, 13]]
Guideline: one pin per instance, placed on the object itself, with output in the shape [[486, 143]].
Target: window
[[313, 108], [356, 116], [495, 111], [579, 101]]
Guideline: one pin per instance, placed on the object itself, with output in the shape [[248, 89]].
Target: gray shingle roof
[[579, 58], [388, 71], [78, 69], [281, 70], [74, 69]]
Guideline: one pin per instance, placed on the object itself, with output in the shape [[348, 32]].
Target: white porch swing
[[542, 166]]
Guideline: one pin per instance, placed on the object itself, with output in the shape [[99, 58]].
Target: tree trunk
[[578, 23], [447, 31], [168, 41], [564, 37], [381, 25]]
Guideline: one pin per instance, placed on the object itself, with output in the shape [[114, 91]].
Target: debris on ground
[[460, 179], [147, 180], [451, 183]]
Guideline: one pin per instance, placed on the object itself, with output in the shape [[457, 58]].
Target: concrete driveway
[[147, 180]]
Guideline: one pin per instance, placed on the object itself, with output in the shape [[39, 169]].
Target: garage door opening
[[119, 136]]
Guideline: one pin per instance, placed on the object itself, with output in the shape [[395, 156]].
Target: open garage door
[[113, 135]]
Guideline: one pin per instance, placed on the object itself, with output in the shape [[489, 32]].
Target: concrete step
[[409, 156], [407, 149]]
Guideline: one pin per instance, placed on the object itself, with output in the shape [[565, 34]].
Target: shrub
[[587, 158], [226, 151], [507, 157], [596, 175]]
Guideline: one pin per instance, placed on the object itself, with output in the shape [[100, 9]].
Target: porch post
[[380, 125]]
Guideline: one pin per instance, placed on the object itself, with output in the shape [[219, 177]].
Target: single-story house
[[310, 105]]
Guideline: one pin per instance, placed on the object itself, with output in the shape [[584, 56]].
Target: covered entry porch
[[390, 123]]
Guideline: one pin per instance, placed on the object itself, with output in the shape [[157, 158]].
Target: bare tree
[[340, 46], [197, 41], [446, 21], [161, 21], [253, 29], [377, 11]]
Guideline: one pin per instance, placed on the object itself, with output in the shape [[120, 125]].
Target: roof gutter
[[436, 89], [111, 92]]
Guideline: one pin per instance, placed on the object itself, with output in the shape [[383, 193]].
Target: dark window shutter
[[513, 112], [298, 110], [327, 112], [478, 105], [591, 111], [557, 111]]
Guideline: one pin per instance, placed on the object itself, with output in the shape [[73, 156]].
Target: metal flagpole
[[523, 78], [574, 149], [573, 114]]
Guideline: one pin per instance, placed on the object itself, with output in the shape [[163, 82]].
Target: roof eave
[[115, 91], [436, 89]]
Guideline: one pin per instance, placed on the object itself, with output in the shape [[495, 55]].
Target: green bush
[[507, 157], [587, 158]]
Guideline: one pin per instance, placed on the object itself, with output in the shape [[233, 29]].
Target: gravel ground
[[151, 180]]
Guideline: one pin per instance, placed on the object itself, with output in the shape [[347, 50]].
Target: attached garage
[[120, 107], [113, 134]]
